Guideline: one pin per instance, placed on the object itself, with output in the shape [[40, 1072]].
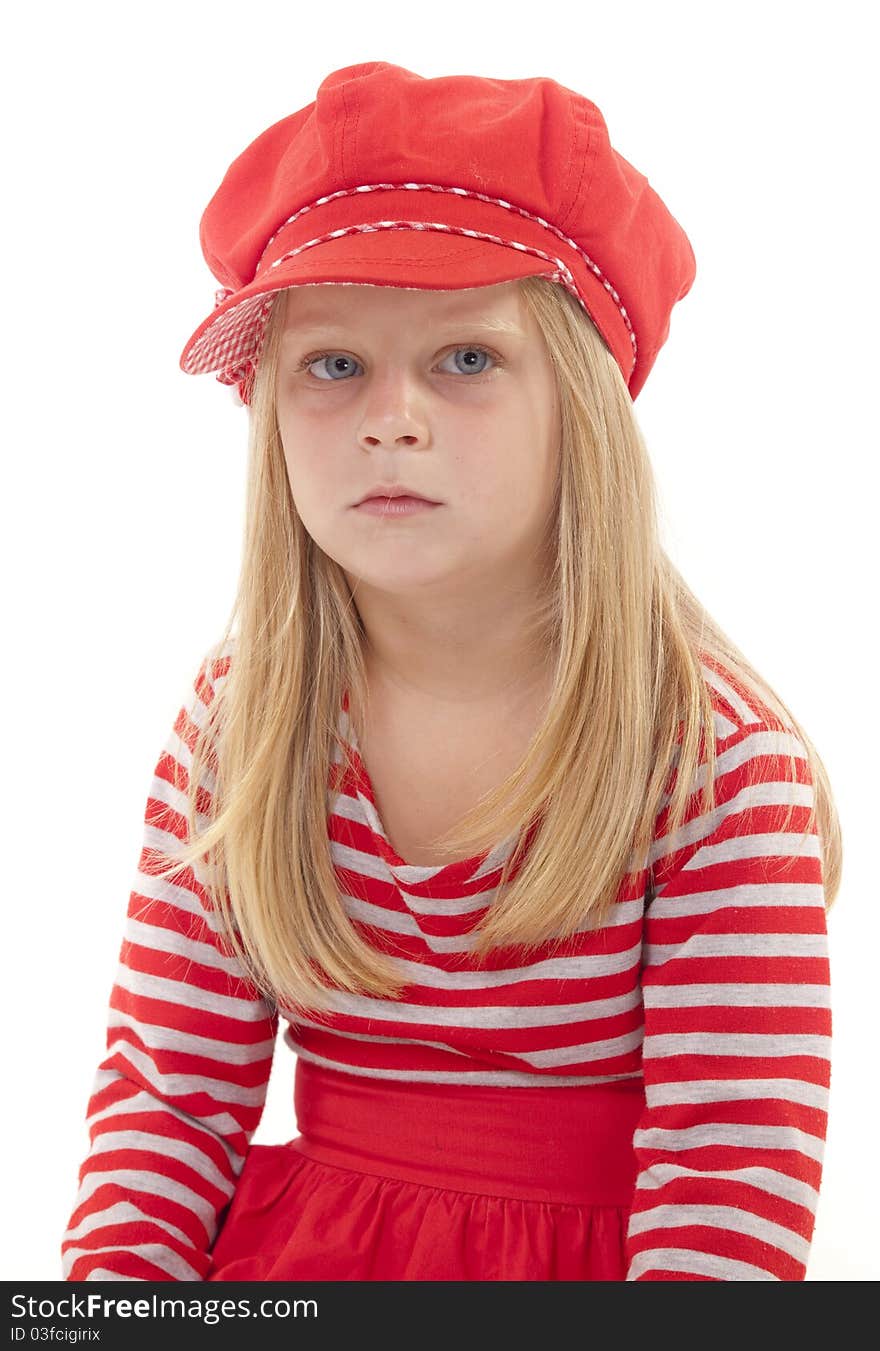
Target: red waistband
[[565, 1144]]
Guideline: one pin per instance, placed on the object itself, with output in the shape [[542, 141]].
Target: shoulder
[[762, 781], [754, 744], [737, 707], [194, 713], [213, 670]]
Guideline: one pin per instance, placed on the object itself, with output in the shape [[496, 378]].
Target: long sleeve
[[737, 1029], [190, 1044]]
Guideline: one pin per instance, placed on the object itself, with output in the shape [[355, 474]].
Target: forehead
[[336, 303]]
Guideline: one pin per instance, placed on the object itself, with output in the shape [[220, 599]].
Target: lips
[[395, 508], [382, 495], [396, 497]]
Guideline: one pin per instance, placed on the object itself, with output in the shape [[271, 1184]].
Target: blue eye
[[340, 364], [339, 360]]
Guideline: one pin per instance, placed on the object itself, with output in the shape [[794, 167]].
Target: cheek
[[310, 468], [507, 470]]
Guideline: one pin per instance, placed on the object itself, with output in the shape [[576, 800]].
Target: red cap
[[392, 179]]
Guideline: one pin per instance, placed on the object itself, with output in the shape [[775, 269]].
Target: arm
[[737, 1043], [189, 1053]]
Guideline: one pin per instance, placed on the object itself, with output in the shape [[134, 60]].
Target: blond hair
[[628, 702]]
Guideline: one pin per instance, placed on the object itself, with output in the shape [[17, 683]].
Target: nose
[[373, 439], [392, 415], [392, 427]]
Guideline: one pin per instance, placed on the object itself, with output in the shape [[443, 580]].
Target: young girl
[[477, 803]]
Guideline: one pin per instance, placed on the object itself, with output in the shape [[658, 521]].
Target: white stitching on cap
[[461, 192], [373, 226], [229, 341]]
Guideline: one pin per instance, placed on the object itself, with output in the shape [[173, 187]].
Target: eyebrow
[[497, 327]]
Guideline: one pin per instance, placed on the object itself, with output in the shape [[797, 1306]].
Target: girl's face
[[450, 394]]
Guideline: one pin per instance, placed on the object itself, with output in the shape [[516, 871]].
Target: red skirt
[[398, 1181]]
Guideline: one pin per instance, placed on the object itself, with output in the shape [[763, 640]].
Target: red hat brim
[[393, 256]]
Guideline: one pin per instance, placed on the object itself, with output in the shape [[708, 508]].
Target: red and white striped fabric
[[712, 986]]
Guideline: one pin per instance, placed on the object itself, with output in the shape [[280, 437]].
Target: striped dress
[[708, 991]]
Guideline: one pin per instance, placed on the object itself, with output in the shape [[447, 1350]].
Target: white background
[[122, 506]]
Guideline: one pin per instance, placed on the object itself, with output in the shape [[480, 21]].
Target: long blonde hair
[[628, 701]]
